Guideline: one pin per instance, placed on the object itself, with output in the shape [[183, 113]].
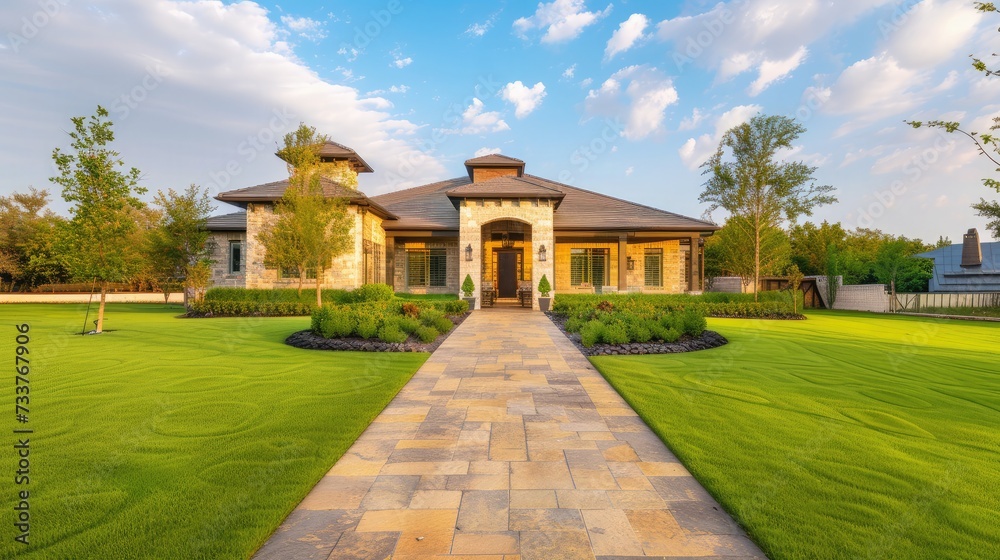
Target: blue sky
[[624, 98]]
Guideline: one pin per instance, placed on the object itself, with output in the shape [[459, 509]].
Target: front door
[[507, 274]]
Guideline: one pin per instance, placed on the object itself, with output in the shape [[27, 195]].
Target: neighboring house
[[499, 225], [967, 267]]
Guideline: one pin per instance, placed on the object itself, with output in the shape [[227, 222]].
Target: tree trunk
[[319, 290], [756, 262], [302, 278], [100, 308]]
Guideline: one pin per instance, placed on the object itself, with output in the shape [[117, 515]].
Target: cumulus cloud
[[400, 61], [477, 121], [563, 20], [638, 95], [695, 151], [213, 106], [486, 151], [951, 23], [771, 71], [628, 33], [877, 86], [568, 73], [305, 27], [689, 123], [524, 99]]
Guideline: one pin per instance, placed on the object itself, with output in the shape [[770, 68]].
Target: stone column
[[470, 232], [390, 261], [623, 263], [692, 270], [542, 234]]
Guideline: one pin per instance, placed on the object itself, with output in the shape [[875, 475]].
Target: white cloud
[[585, 83], [351, 54], [629, 170], [305, 27], [628, 33], [689, 123], [480, 29], [477, 121], [486, 151], [638, 95], [392, 89], [772, 71], [563, 20], [568, 73], [695, 151], [876, 86], [400, 61], [525, 99], [215, 108], [951, 23]]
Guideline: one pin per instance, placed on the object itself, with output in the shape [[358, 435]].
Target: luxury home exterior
[[499, 225]]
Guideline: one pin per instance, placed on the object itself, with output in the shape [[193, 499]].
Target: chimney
[[972, 253]]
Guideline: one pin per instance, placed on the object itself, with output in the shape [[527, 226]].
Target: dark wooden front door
[[507, 274]]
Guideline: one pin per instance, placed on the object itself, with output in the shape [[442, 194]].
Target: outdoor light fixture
[[468, 252], [631, 263], [541, 253]]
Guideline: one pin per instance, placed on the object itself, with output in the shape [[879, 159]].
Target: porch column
[[692, 270], [390, 261], [470, 233], [623, 263]]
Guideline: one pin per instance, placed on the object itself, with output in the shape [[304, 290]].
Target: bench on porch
[[489, 295], [524, 293]]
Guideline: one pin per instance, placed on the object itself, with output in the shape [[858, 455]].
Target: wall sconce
[[468, 252], [541, 253], [631, 263]]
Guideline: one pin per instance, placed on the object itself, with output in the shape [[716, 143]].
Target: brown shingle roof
[[337, 152], [237, 221], [505, 186], [494, 160], [429, 208], [270, 192]]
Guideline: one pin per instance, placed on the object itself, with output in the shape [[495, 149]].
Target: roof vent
[[972, 253]]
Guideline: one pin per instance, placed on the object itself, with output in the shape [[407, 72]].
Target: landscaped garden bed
[[310, 340]]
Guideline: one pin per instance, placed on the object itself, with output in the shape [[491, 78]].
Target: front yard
[[179, 438], [848, 435]]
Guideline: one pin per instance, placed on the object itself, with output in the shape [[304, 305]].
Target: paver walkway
[[507, 443]]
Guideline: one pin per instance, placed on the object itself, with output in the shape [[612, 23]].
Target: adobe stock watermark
[[31, 26], [696, 44], [364, 35], [281, 121], [126, 102], [898, 19], [914, 170], [581, 158]]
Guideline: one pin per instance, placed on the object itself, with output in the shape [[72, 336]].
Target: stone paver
[[508, 444]]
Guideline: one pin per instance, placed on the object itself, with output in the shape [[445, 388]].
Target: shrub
[[442, 324], [411, 310], [692, 322], [429, 315], [591, 333], [368, 322], [339, 323], [639, 331], [457, 307], [605, 306], [426, 334], [544, 287], [615, 333], [671, 335], [468, 286], [390, 332], [574, 324], [409, 325], [372, 292]]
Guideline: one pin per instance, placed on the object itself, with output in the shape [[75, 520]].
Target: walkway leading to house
[[507, 443]]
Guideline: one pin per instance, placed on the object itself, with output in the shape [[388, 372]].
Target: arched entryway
[[507, 259]]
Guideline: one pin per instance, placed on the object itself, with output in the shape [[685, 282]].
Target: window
[[293, 273], [588, 266], [653, 268], [235, 256], [427, 267]]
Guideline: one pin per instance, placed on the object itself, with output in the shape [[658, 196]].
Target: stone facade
[[674, 276], [399, 280], [475, 213], [220, 244]]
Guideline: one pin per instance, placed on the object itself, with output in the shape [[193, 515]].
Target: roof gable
[[271, 192]]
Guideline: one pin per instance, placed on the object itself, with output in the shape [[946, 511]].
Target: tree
[[809, 244], [313, 224], [795, 277], [177, 246], [28, 231], [748, 179], [99, 236], [987, 143], [733, 249]]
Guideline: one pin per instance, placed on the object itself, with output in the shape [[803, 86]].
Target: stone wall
[[218, 242], [865, 297], [673, 272], [562, 261], [452, 251]]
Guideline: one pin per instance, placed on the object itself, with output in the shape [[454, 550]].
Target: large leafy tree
[[28, 231], [178, 244], [733, 250], [809, 244], [313, 223], [99, 239], [749, 179], [987, 143]]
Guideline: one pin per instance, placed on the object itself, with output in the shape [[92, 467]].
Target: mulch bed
[[708, 339], [310, 341]]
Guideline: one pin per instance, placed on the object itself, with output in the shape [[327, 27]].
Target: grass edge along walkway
[[848, 435]]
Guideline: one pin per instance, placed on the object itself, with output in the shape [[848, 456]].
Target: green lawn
[[848, 435], [178, 438]]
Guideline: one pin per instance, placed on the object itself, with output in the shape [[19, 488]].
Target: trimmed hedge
[[389, 321], [243, 302], [772, 305]]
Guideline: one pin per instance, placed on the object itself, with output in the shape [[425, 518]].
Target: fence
[[914, 303]]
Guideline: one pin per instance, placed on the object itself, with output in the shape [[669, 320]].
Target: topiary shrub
[[372, 292], [426, 334], [544, 287], [468, 286]]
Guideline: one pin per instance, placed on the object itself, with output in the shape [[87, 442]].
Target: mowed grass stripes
[[847, 435], [179, 438]]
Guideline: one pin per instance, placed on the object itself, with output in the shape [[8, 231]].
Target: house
[[499, 225], [970, 266]]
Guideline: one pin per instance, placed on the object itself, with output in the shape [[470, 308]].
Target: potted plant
[[467, 289], [544, 288]]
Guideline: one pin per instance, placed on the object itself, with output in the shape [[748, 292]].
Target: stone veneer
[[399, 266], [218, 241], [475, 213]]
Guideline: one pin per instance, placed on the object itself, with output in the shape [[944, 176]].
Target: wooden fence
[[914, 303]]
